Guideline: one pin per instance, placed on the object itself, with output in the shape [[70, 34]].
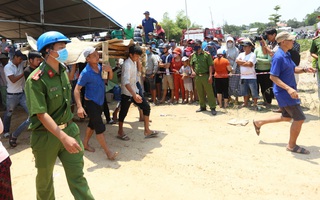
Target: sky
[[233, 12]]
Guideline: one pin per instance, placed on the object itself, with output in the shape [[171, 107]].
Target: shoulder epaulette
[[37, 75]]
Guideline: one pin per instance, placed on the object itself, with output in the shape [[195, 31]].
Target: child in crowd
[[186, 72]]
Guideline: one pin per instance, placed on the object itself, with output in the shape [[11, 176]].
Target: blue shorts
[[247, 84]]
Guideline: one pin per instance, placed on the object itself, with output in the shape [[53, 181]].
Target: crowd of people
[[205, 71]]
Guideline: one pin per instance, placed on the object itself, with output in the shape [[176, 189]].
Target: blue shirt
[[93, 83], [148, 25], [283, 67]]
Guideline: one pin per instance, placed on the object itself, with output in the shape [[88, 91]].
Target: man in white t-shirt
[[247, 60], [15, 95]]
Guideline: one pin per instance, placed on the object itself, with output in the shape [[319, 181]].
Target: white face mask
[[229, 45]]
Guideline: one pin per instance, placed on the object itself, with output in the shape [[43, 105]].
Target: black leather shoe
[[201, 109], [213, 111]]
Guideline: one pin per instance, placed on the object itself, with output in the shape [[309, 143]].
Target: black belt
[[15, 93]]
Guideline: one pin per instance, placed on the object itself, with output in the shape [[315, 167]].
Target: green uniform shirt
[[315, 48], [201, 62], [51, 94]]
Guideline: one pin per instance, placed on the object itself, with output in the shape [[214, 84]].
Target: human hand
[[106, 67], [310, 70], [137, 98], [81, 112], [210, 79], [71, 144], [293, 93]]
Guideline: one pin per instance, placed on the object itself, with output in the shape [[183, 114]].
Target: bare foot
[[112, 156], [90, 149]]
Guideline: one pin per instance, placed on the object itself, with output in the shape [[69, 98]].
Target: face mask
[[196, 48], [161, 50], [173, 44], [147, 51], [153, 46], [63, 55], [219, 55], [175, 55], [229, 45], [188, 54]]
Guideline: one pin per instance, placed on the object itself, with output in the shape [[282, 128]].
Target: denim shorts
[[249, 84]]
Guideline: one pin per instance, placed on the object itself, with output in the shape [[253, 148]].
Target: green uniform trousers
[[204, 88], [46, 148]]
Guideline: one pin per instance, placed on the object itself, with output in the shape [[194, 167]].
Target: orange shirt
[[176, 64], [220, 67]]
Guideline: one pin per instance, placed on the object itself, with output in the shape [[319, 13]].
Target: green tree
[[293, 23], [233, 29], [311, 19], [275, 18], [261, 26]]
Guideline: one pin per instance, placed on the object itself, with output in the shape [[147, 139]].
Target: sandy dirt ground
[[197, 156]]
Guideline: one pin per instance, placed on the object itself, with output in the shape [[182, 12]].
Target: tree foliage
[[174, 28], [275, 18]]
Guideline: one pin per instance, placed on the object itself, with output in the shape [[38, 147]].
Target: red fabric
[[5, 180], [220, 67], [178, 85], [177, 79]]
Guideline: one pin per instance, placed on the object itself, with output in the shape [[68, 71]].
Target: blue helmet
[[51, 37]]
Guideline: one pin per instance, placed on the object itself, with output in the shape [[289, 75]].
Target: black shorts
[[295, 112], [151, 82], [94, 112], [158, 78]]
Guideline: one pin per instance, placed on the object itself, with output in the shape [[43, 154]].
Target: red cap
[[188, 49]]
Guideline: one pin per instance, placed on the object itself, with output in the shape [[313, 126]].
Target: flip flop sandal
[[13, 141], [123, 137], [257, 129], [298, 149], [152, 135]]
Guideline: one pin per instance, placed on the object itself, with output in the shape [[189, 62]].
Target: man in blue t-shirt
[[148, 25], [285, 90], [91, 79]]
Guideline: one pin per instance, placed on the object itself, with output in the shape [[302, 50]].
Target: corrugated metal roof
[[70, 17]]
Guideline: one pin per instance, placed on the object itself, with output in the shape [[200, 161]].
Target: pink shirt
[[3, 153]]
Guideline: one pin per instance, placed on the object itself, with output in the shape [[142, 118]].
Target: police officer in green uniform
[[48, 93], [315, 53], [202, 64]]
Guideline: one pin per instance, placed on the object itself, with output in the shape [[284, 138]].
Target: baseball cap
[[19, 54], [146, 13], [197, 41], [88, 51], [210, 44], [188, 49], [220, 51], [34, 54], [184, 58], [150, 33], [209, 36], [284, 36]]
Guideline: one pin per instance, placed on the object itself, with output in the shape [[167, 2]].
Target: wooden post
[[105, 58]]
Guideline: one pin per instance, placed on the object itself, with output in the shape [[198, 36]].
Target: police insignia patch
[[51, 74]]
